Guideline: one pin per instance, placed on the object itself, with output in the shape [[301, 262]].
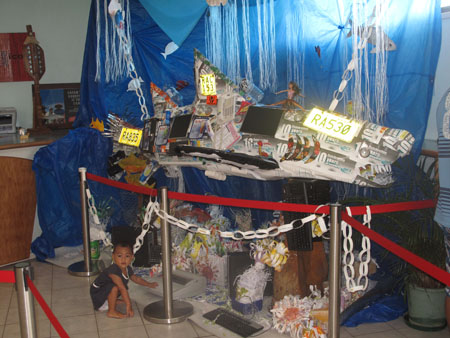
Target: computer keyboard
[[235, 323]]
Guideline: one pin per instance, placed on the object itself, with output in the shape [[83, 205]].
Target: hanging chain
[[364, 254], [135, 83], [91, 205], [93, 211], [346, 77], [151, 207], [273, 231], [349, 258]]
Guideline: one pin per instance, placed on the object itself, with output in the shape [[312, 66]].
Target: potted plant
[[417, 232]]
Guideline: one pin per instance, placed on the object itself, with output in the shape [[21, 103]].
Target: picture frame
[[59, 104]]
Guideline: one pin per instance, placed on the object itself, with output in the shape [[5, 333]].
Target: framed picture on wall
[[59, 103]]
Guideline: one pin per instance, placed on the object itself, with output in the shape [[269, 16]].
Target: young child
[[113, 282]]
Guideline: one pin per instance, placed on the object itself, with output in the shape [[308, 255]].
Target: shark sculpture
[[224, 133]]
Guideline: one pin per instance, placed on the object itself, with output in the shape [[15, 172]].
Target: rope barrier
[[254, 204], [9, 277], [404, 254], [62, 333], [399, 251]]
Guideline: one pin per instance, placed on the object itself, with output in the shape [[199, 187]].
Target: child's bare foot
[[115, 314]]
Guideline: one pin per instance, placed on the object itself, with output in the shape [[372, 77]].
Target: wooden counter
[[18, 193]]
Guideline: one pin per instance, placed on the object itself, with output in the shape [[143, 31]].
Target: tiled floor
[[68, 298]]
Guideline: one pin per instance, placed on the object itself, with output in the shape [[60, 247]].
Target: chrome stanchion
[[335, 271], [27, 317], [86, 267], [167, 311]]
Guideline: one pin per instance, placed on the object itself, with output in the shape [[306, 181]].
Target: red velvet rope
[[62, 333], [233, 202], [253, 204], [7, 277], [399, 251], [393, 207], [411, 258]]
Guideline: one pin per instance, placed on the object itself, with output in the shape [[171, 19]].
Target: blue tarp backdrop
[[414, 26]]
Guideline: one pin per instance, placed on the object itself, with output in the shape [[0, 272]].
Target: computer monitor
[[261, 120], [180, 126]]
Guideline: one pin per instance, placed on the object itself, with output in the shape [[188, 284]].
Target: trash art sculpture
[[223, 133]]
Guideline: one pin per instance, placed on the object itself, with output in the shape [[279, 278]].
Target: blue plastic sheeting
[[414, 26], [176, 18], [148, 42], [386, 309], [58, 187]]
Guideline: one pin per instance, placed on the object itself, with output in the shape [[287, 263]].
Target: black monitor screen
[[180, 126], [261, 120]]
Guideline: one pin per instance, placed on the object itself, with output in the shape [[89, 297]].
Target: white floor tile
[[62, 309], [368, 329], [13, 330], [385, 334], [183, 329], [105, 323], [77, 325], [70, 301], [412, 333], [85, 335], [398, 323], [199, 330], [128, 332]]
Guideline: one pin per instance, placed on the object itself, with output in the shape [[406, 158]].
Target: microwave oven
[[8, 117]]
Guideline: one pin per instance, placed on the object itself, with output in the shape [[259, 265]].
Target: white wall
[[60, 27], [442, 80]]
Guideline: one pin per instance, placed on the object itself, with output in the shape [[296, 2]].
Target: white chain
[[349, 258], [364, 254], [94, 213], [151, 207], [238, 235], [91, 205], [136, 80], [346, 77]]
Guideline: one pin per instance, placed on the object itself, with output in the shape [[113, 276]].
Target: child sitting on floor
[[113, 282]]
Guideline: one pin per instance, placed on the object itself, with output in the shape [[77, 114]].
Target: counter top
[[11, 141]]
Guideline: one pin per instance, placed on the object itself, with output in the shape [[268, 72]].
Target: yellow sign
[[333, 125], [208, 84], [131, 137]]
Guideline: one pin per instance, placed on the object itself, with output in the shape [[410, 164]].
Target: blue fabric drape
[[176, 18], [414, 26]]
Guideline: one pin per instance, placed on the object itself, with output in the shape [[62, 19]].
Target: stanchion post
[[334, 271], [167, 311], [85, 220], [27, 317], [166, 255], [84, 268]]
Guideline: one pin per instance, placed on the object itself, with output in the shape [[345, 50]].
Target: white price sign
[[333, 125]]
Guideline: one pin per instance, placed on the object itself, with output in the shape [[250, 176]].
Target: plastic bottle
[[255, 94]]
